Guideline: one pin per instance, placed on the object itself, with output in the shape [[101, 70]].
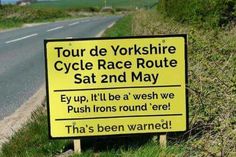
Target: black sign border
[[111, 38]]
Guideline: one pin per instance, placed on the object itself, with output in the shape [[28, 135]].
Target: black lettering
[[58, 51], [56, 66], [104, 79], [115, 49], [172, 49], [78, 78]]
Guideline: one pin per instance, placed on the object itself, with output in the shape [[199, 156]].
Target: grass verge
[[212, 82], [32, 139], [15, 16], [121, 28], [150, 149]]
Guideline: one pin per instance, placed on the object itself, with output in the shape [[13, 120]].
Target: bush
[[207, 13]]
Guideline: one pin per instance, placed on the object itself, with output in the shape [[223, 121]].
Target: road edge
[[12, 123], [103, 31]]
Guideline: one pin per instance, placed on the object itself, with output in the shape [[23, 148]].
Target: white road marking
[[69, 37], [56, 28], [72, 24], [18, 39]]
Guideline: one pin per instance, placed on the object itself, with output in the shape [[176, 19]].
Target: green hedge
[[208, 13]]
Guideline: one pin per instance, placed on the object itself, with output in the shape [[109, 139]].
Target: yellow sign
[[115, 86]]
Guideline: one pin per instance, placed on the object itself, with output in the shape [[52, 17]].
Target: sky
[[8, 1], [12, 1]]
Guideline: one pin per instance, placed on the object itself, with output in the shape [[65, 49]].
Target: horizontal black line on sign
[[113, 117], [160, 86]]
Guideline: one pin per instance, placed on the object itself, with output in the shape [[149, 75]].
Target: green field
[[96, 3]]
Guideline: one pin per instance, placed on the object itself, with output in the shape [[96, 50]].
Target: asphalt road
[[22, 56]]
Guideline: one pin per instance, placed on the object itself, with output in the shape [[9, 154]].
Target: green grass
[[32, 139], [121, 28], [150, 149], [5, 24], [95, 3]]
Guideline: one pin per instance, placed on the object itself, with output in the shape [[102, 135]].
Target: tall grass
[[150, 149], [212, 82]]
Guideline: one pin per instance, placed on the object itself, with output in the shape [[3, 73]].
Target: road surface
[[22, 56]]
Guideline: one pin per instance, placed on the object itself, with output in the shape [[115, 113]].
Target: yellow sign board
[[116, 86]]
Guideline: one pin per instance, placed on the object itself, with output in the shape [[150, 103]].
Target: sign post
[[116, 86], [77, 146], [163, 140]]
